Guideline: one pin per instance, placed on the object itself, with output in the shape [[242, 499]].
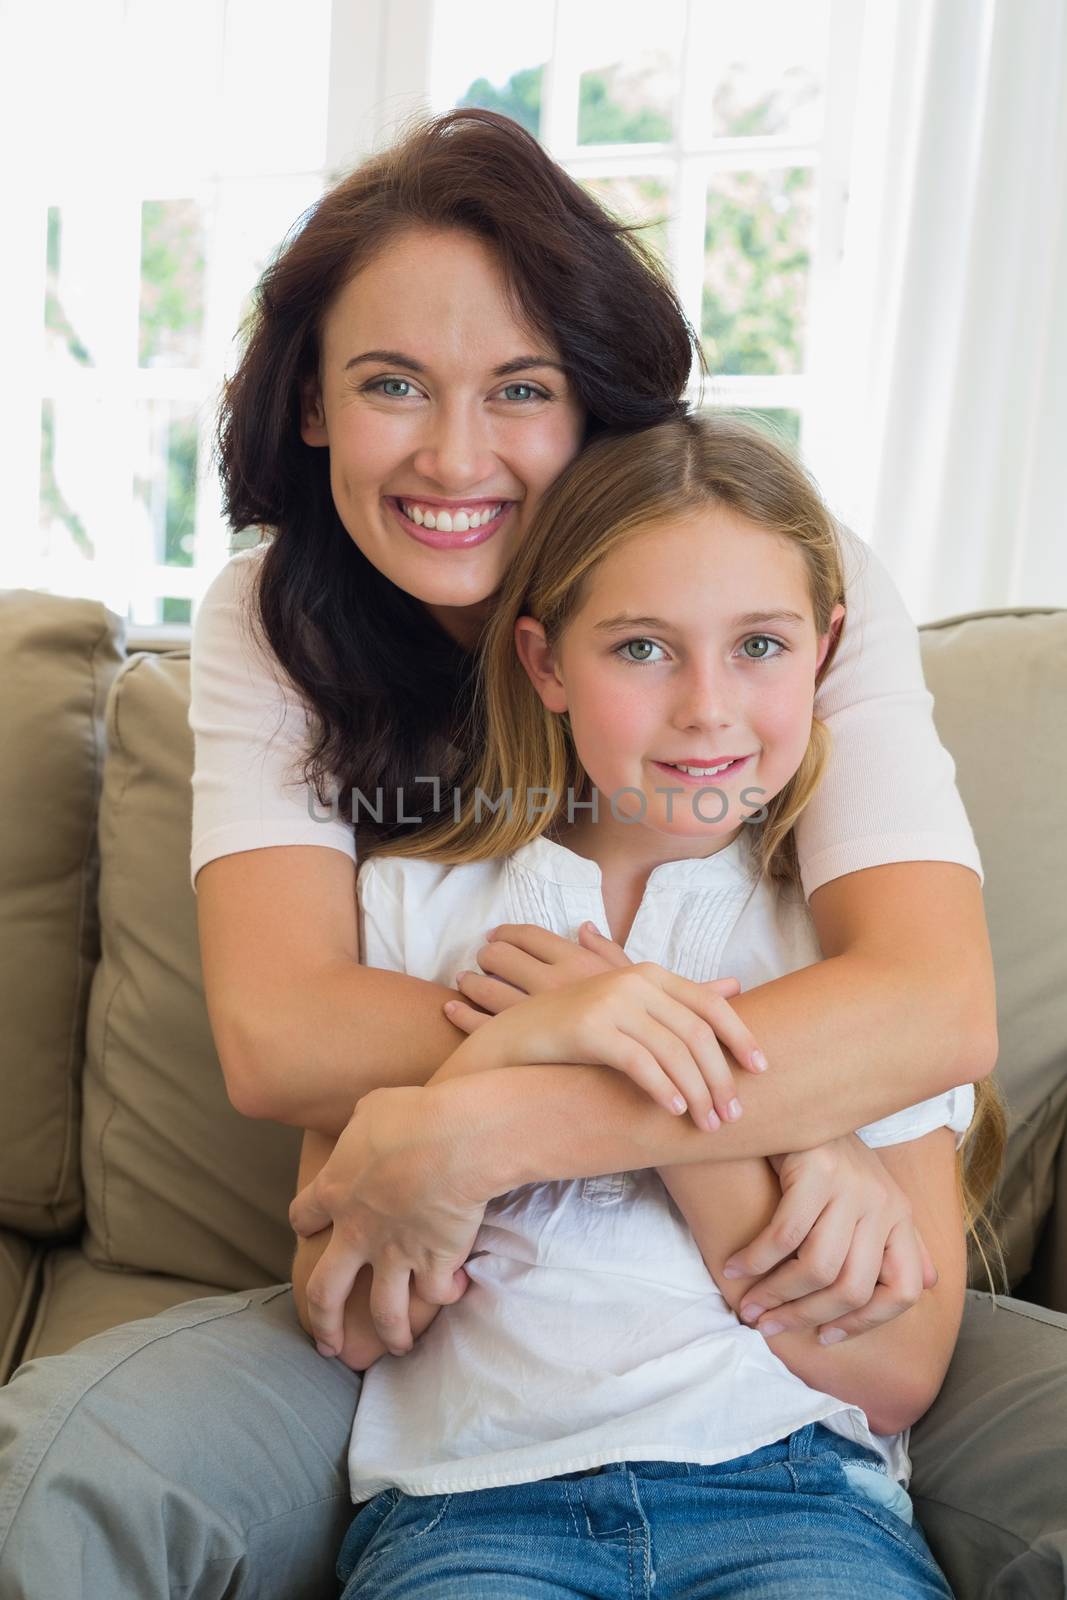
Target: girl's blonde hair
[[618, 487]]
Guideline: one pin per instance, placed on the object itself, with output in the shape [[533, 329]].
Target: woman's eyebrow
[[747, 619], [397, 358]]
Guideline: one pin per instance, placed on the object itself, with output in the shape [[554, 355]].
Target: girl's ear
[[312, 414], [837, 617], [535, 653]]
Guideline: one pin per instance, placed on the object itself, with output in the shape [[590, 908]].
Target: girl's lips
[[448, 541], [688, 779]]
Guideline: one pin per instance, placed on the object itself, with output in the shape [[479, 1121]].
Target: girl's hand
[[662, 1031], [522, 959], [859, 1259], [394, 1191]]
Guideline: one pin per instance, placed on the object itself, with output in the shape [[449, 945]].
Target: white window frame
[[379, 71]]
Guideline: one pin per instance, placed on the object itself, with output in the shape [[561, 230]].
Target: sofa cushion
[[176, 1180], [78, 1300], [58, 657], [999, 681]]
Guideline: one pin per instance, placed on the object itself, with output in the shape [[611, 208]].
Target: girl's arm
[[892, 1372]]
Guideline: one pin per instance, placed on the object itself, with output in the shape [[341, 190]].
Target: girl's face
[[440, 409], [694, 646]]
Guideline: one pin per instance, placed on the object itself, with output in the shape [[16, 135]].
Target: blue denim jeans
[[783, 1523]]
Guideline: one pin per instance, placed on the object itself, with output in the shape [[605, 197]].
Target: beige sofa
[[128, 1183]]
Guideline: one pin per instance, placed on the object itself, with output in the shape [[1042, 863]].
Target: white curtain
[[938, 420]]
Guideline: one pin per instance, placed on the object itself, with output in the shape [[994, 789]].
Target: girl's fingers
[[512, 965], [492, 994], [900, 1288], [590, 938], [630, 1056], [721, 1018], [714, 1088], [852, 1288], [816, 1266], [526, 936], [465, 1016], [682, 1073], [799, 1209]]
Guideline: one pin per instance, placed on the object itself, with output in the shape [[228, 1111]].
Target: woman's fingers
[[390, 1308], [327, 1292]]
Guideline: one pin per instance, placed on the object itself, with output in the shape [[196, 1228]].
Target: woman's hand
[[394, 1191], [660, 1030], [859, 1259]]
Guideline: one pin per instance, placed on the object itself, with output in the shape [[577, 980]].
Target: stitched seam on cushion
[[919, 1500], [82, 980], [114, 994]]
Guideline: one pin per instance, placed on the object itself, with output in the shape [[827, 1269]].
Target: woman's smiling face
[[441, 408]]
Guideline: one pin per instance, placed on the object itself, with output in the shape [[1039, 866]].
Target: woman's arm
[[895, 1371], [303, 1030]]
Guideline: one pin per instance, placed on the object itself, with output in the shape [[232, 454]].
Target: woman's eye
[[763, 654], [641, 649], [530, 392], [392, 388]]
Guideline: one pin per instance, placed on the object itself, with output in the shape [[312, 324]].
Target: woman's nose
[[455, 453]]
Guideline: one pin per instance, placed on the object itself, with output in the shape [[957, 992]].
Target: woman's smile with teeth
[[435, 517]]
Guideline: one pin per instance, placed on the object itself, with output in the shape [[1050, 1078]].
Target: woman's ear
[[837, 617], [312, 414], [537, 657]]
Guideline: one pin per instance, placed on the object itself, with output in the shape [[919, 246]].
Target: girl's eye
[[531, 391], [762, 639], [641, 649]]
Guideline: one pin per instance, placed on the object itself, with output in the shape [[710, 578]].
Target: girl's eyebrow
[[747, 619], [397, 358]]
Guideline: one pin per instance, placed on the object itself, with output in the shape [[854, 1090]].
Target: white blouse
[[591, 1330], [889, 793]]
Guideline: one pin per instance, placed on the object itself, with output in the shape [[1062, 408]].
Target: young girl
[[591, 1416]]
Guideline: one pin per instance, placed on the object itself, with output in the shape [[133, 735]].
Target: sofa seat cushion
[[58, 657], [78, 1300], [19, 1272]]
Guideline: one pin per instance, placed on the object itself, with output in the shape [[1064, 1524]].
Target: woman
[[448, 328]]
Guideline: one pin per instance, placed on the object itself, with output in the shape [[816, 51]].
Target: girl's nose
[[702, 701], [455, 453]]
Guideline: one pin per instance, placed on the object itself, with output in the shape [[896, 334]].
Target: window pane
[[165, 480], [73, 434], [66, 340], [637, 200], [172, 283], [631, 57], [781, 424], [763, 68], [756, 259], [484, 54]]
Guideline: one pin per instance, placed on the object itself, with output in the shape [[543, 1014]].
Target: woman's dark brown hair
[[388, 688]]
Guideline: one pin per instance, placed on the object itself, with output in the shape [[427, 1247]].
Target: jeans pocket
[[361, 1530], [406, 1518]]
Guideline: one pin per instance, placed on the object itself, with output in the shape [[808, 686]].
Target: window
[[154, 188]]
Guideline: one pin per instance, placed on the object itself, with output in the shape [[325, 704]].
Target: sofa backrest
[[58, 659], [174, 1179]]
